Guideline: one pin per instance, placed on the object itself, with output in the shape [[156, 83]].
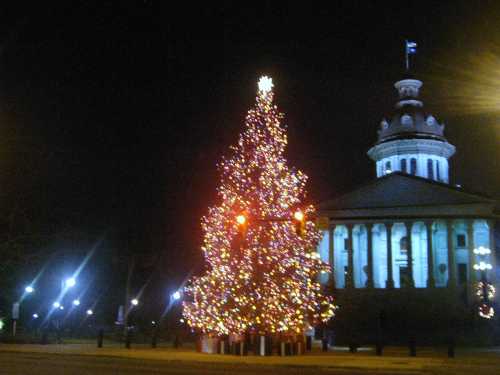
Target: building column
[[369, 249], [431, 282], [349, 282], [452, 268], [409, 253], [390, 278], [331, 255], [470, 249], [492, 257]]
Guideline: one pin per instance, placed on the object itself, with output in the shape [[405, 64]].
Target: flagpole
[[406, 55]]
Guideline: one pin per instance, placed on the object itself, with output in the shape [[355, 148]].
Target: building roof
[[410, 120], [402, 194]]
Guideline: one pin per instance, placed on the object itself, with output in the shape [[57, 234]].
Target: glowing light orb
[[35, 316], [134, 302], [29, 289], [71, 282], [265, 84], [298, 215], [176, 295], [90, 312], [56, 305], [76, 302], [241, 219]]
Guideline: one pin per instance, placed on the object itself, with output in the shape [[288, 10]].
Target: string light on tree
[[261, 274], [484, 290]]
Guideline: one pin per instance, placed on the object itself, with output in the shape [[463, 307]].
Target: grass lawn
[[395, 359]]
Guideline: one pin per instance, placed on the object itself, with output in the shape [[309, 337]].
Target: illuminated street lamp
[[56, 305], [134, 302], [29, 289], [35, 316], [90, 312], [176, 295], [76, 302], [70, 282]]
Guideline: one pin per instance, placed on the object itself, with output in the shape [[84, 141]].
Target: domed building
[[412, 141], [409, 228]]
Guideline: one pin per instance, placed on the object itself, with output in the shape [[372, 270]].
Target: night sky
[[113, 115]]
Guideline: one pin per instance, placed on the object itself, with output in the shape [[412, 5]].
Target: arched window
[[388, 167], [403, 244], [438, 174], [430, 169], [413, 166], [403, 165]]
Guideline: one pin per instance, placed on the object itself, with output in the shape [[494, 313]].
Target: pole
[[100, 337], [406, 55], [14, 327]]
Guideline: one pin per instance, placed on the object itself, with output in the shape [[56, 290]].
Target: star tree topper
[[265, 84]]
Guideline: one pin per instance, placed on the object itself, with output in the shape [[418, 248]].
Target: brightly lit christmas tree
[[260, 240]]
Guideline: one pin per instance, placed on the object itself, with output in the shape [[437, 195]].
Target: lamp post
[[29, 289], [174, 298]]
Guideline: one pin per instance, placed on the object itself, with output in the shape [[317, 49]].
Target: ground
[[86, 359]]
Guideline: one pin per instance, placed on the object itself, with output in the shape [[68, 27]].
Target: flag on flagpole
[[411, 48]]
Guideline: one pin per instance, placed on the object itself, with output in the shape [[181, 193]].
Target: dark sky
[[113, 115]]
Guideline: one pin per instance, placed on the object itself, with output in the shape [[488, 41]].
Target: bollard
[[298, 348], [451, 348], [309, 340], [282, 349], [324, 344], [353, 348], [412, 347], [154, 339], [100, 338], [269, 345], [128, 338], [243, 348], [379, 348], [262, 346], [45, 338], [176, 342]]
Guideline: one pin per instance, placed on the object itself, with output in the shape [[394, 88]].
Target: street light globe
[[29, 289], [134, 302], [35, 316], [70, 282], [76, 302], [90, 312], [176, 295], [61, 307], [56, 305]]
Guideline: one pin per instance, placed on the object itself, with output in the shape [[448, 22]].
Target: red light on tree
[[300, 223], [241, 220]]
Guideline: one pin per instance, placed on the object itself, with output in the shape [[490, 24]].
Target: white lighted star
[[265, 84]]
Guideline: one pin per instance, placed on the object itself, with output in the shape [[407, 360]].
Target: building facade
[[409, 228]]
